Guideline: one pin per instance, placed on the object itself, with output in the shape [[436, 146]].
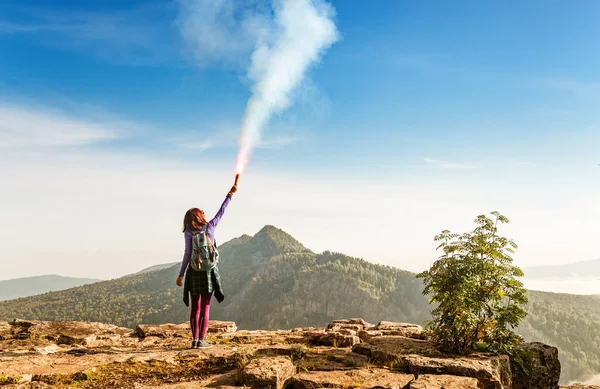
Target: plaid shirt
[[202, 282]]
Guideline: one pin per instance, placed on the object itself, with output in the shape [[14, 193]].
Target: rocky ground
[[347, 354]]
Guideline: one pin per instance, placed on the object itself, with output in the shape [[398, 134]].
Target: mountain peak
[[274, 241]]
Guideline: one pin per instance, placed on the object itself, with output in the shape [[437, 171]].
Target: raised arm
[[215, 220]]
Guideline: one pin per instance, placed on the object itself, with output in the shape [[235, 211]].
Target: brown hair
[[193, 219]]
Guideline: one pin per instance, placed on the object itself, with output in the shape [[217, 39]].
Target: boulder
[[334, 339], [359, 321], [492, 372], [403, 329], [429, 381], [388, 348], [267, 372], [162, 330], [348, 332], [362, 378], [366, 335], [539, 368], [221, 327], [5, 331], [349, 324]]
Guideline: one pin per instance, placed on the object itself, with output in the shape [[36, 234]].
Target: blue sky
[[407, 79], [463, 94]]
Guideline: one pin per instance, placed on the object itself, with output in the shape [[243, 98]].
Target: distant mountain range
[[272, 281], [577, 270], [156, 267], [30, 286]]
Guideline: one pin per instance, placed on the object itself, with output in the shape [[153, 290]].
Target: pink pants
[[199, 315]]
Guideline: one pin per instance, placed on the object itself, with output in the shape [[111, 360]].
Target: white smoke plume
[[287, 38]]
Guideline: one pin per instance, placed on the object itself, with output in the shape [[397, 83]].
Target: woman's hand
[[179, 281], [234, 187]]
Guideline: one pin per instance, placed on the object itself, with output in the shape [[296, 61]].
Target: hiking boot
[[204, 344]]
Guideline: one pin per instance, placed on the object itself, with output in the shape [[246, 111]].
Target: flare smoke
[[303, 30]]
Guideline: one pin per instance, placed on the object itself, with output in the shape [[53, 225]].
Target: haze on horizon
[[116, 118]]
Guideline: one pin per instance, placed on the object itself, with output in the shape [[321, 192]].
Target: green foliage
[[475, 284], [8, 379]]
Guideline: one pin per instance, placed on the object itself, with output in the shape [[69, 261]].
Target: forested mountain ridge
[[272, 281]]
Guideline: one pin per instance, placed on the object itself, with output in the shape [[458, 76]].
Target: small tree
[[474, 282]]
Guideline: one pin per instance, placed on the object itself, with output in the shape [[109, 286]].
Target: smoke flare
[[304, 30]]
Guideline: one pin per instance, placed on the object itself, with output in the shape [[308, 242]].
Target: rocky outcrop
[[267, 372], [538, 366], [403, 329], [181, 330], [364, 378], [421, 357], [35, 354]]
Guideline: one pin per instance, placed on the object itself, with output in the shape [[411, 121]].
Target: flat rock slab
[[403, 329], [387, 348], [428, 381], [330, 359], [70, 332], [294, 351], [265, 372], [62, 363], [355, 321], [162, 330], [421, 357], [334, 339], [221, 327], [492, 372], [221, 381], [363, 378], [170, 330], [260, 336]]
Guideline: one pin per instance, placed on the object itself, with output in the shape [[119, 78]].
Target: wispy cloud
[[449, 165], [199, 146], [31, 127], [130, 37]]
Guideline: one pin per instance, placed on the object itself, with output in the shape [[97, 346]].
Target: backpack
[[205, 255]]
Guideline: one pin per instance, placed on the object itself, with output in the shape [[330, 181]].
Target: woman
[[200, 284]]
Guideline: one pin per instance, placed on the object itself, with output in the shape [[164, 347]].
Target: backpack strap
[[209, 243]]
